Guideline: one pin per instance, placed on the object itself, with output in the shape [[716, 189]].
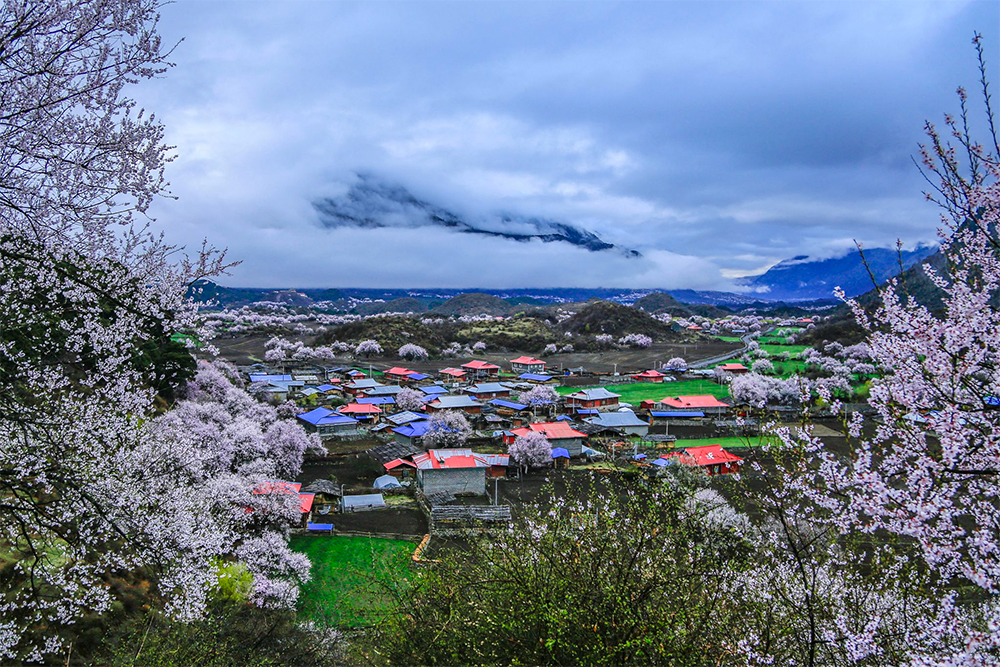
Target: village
[[437, 449]]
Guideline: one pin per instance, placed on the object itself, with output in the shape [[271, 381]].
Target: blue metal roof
[[587, 411], [560, 452], [433, 389], [327, 387], [677, 415], [418, 376], [508, 404], [537, 377], [564, 418], [325, 417], [413, 429]]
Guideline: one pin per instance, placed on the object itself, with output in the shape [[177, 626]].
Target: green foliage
[[235, 582], [230, 634], [567, 585], [606, 317]]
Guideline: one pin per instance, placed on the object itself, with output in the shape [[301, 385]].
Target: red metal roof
[[457, 372], [650, 374], [733, 367], [551, 430], [711, 455], [306, 501], [399, 370], [359, 409], [698, 401], [395, 463], [480, 365], [527, 360]]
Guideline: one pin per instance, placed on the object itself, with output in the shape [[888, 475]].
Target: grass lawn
[[785, 369], [641, 391], [774, 349], [730, 339], [732, 442], [344, 590]]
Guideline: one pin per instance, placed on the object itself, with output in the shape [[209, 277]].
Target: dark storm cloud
[[716, 138]]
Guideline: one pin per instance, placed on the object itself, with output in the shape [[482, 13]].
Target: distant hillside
[[390, 332], [406, 304], [662, 302], [606, 317], [800, 278], [474, 303]]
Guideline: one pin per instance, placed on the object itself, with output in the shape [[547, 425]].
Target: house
[[713, 459], [368, 414], [624, 421], [433, 389], [705, 403], [328, 423], [451, 471], [598, 397], [481, 368], [559, 434], [526, 365], [375, 400], [536, 378], [497, 464], [401, 468], [466, 404], [734, 368], [359, 386], [392, 450], [664, 416], [649, 376], [398, 374], [487, 390], [411, 432], [326, 496], [453, 374], [406, 417], [282, 488], [381, 390]]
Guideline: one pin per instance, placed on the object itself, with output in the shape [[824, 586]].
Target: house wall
[[458, 480], [572, 445]]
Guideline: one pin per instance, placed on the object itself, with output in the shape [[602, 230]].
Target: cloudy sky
[[713, 138]]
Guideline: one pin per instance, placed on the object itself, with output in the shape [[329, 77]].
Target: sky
[[715, 139]]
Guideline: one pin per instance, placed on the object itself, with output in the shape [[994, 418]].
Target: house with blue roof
[[411, 433], [536, 378], [328, 423]]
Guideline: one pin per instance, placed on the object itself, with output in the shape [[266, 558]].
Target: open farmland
[[344, 590]]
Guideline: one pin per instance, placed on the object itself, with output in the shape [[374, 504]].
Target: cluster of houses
[[488, 398]]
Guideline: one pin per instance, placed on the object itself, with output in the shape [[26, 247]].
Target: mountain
[[801, 279], [607, 317], [474, 303], [371, 203]]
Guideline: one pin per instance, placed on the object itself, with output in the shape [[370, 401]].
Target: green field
[[774, 349], [727, 443], [347, 577], [730, 339], [641, 391]]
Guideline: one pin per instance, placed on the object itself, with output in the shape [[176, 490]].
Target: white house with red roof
[[559, 434], [525, 364], [451, 471], [734, 368], [649, 376], [713, 459], [597, 397], [482, 368]]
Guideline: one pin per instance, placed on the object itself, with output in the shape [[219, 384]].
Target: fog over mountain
[[373, 203]]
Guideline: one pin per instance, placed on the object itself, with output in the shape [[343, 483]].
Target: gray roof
[[597, 393], [391, 451], [383, 391], [450, 401], [616, 419], [324, 486], [405, 417], [364, 384], [488, 388]]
